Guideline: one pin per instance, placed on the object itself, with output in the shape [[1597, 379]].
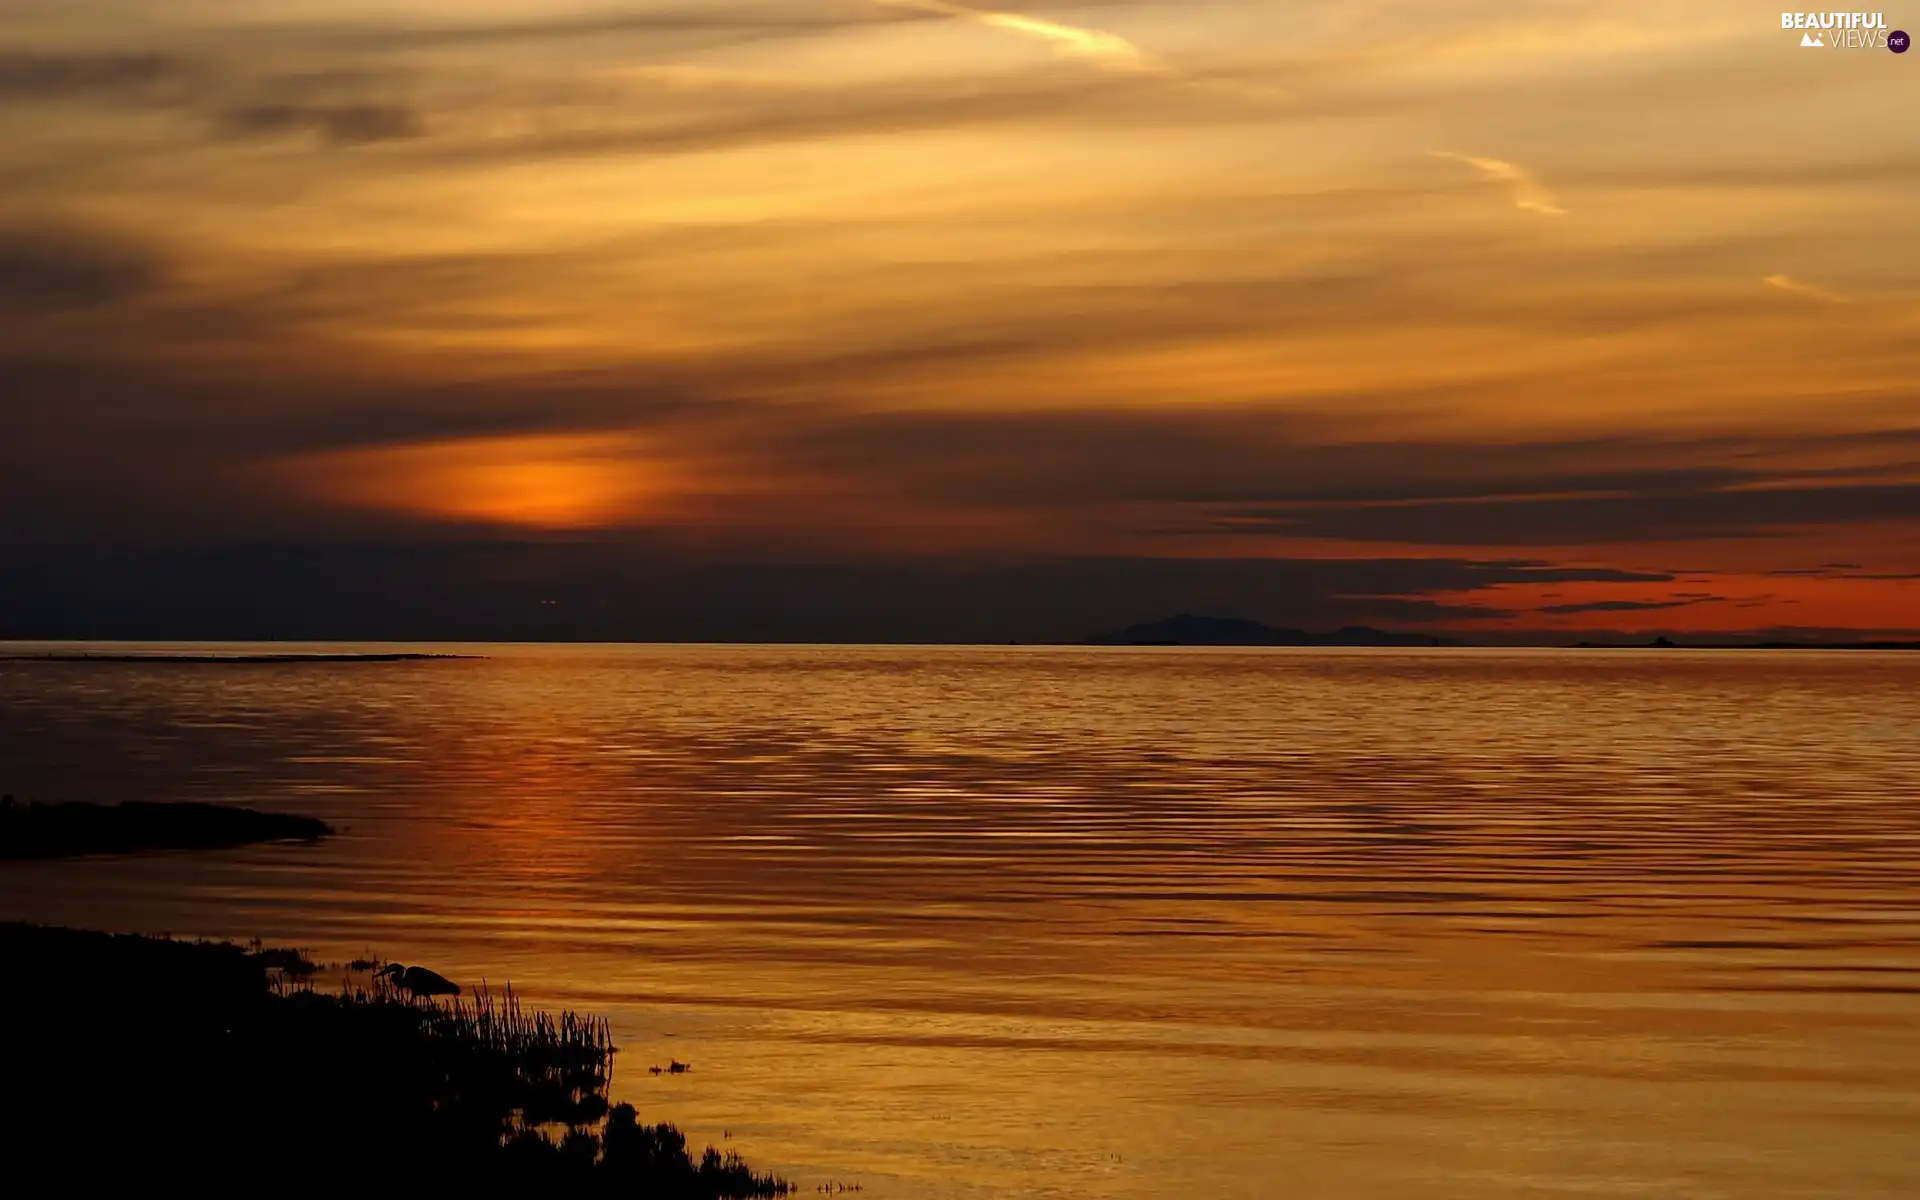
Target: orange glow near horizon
[[555, 482]]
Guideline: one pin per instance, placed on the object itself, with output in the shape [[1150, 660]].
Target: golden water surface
[[972, 922]]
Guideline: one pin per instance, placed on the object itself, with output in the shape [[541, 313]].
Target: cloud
[[1593, 519], [779, 113], [335, 124], [1528, 192], [1263, 472], [36, 75], [239, 101], [48, 269], [1788, 284], [1111, 477], [666, 29], [1599, 606], [1823, 571], [1108, 49], [1845, 571]]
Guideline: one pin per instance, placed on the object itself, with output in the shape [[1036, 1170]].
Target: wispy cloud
[[1787, 283], [1626, 606], [44, 270], [1109, 49], [335, 124], [27, 75], [1528, 192]]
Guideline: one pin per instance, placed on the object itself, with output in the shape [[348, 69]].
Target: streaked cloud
[[1109, 49], [1626, 606], [1528, 192], [49, 268], [340, 124], [38, 75], [1787, 283]]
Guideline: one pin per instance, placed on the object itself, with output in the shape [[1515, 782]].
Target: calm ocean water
[[977, 922]]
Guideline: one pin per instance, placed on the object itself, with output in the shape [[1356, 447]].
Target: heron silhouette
[[419, 981]]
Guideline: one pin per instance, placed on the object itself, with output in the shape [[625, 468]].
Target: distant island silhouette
[[228, 659], [33, 831], [1187, 629]]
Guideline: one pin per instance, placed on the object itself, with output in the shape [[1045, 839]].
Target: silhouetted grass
[[30, 831], [137, 1061], [538, 1069]]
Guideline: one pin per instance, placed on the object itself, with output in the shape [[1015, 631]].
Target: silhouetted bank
[[59, 830], [1190, 630], [254, 660], [157, 1065]]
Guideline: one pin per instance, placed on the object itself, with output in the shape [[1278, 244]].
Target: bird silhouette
[[419, 981]]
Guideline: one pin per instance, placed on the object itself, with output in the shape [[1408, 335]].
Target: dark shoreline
[[251, 660], [134, 1061], [30, 832]]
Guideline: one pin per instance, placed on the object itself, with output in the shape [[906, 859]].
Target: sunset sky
[[907, 318]]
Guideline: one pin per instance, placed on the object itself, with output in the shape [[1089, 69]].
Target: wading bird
[[420, 981]]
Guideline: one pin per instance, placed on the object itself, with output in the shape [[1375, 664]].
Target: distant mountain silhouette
[[1190, 630]]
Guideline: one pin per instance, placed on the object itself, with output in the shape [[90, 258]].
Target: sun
[[555, 482]]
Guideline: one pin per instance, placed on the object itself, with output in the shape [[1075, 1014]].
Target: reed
[[146, 1061], [536, 1069]]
